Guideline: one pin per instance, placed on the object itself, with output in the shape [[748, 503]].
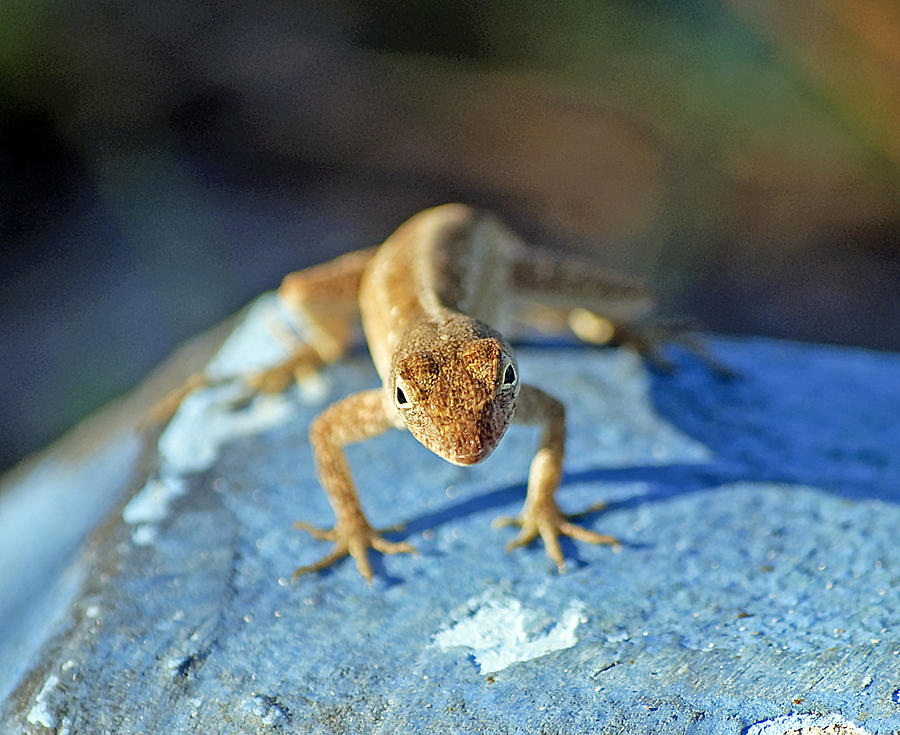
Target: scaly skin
[[433, 299]]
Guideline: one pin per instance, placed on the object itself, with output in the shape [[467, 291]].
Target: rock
[[757, 586]]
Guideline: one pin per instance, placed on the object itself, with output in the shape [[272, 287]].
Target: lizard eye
[[509, 376], [401, 397]]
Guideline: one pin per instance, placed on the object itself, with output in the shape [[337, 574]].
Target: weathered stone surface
[[759, 575]]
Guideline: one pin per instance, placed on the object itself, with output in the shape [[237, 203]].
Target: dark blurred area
[[162, 163]]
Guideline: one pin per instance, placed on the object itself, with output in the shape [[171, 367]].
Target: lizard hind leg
[[326, 298], [647, 338], [556, 293]]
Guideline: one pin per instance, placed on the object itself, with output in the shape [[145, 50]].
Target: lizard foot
[[548, 522], [350, 540]]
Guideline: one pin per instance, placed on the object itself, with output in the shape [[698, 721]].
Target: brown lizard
[[433, 298]]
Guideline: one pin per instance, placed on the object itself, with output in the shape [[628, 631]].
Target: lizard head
[[458, 395]]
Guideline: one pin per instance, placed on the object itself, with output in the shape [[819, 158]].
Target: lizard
[[433, 300]]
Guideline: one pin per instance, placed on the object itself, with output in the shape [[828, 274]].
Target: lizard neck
[[438, 268]]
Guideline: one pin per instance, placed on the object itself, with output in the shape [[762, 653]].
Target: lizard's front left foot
[[350, 540], [548, 522]]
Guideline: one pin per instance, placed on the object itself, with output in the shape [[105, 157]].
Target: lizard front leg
[[540, 515], [355, 418]]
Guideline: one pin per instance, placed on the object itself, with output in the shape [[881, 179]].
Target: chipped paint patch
[[207, 418], [259, 340], [206, 421], [144, 535], [500, 631], [806, 724], [40, 714], [151, 504], [191, 443]]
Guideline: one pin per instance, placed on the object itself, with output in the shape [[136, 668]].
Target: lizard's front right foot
[[544, 519], [350, 539]]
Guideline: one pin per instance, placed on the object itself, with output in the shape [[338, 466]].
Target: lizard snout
[[472, 441]]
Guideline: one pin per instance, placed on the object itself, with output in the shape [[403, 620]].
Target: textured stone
[[758, 579]]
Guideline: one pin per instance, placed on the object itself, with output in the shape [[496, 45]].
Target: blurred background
[[162, 163]]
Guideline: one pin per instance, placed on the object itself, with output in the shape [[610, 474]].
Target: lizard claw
[[546, 520], [350, 540]]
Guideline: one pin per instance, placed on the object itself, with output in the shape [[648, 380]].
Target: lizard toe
[[392, 547], [353, 540], [323, 563], [320, 534], [549, 523]]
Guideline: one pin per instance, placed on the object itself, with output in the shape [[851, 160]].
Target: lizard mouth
[[470, 459], [475, 443], [461, 443]]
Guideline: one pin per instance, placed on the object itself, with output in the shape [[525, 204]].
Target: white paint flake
[[261, 338], [500, 631], [145, 535], [151, 504], [811, 724], [40, 714], [207, 418]]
